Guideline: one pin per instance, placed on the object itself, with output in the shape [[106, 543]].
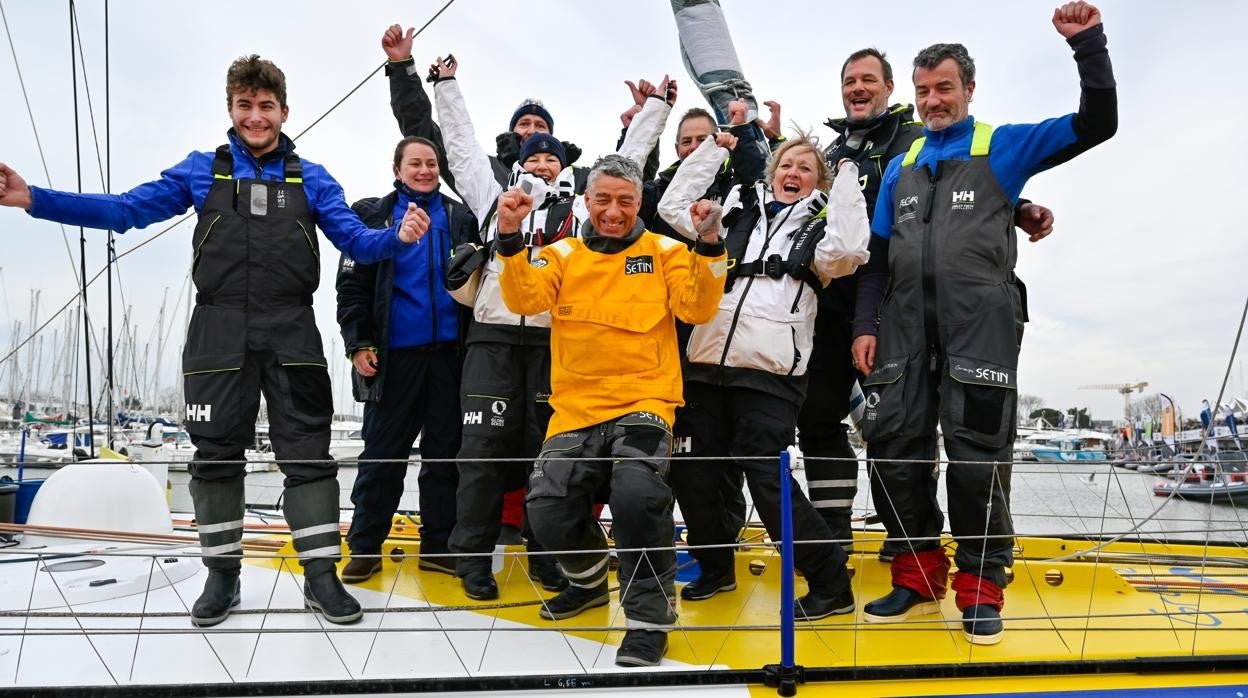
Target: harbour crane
[[1125, 388]]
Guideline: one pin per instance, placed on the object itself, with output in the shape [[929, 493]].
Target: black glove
[[572, 151], [508, 148]]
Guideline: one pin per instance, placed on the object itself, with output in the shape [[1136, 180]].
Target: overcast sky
[[1143, 279]]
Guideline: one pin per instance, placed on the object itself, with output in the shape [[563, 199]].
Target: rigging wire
[[47, 176], [82, 239], [370, 75]]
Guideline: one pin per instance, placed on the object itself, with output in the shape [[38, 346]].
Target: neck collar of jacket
[[285, 146], [608, 245], [895, 113], [962, 129], [421, 199]]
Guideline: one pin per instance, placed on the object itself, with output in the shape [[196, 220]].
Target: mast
[[82, 233]]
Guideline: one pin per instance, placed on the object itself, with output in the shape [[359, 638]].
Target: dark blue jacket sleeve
[[1022, 150], [341, 226], [138, 208]]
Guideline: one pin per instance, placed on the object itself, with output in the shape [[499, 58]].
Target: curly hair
[[252, 74]]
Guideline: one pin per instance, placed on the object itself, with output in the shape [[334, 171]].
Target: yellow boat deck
[[1097, 620]]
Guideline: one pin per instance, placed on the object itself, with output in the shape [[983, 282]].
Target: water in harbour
[[1092, 499]]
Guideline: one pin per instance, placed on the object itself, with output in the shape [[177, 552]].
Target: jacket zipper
[[929, 267], [736, 314], [433, 297]]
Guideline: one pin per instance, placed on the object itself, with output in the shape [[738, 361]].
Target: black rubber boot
[[311, 510], [981, 625], [220, 595], [326, 594], [641, 648], [479, 585], [219, 522], [544, 570], [898, 605]]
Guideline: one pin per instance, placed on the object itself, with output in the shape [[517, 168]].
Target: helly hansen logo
[[682, 444], [280, 196], [198, 413], [639, 265], [964, 200], [472, 418]]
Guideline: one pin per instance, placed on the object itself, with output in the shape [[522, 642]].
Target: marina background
[[1141, 280]]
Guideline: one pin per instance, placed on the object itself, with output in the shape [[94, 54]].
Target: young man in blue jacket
[[256, 264], [948, 335]]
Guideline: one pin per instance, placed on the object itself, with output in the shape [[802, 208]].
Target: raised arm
[[408, 101], [647, 125], [843, 247], [692, 179], [468, 162], [528, 289], [1021, 150]]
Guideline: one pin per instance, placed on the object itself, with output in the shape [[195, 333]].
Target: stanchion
[[784, 676]]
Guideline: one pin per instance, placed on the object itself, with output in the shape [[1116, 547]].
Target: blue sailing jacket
[[186, 184]]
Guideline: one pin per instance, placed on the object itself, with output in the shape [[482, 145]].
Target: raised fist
[[396, 43], [706, 216], [1074, 17], [513, 206]]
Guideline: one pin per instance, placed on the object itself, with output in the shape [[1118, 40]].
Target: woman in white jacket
[[746, 376]]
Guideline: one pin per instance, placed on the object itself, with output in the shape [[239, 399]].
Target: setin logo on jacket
[[643, 264]]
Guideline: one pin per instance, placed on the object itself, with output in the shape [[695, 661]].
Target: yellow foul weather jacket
[[613, 330]]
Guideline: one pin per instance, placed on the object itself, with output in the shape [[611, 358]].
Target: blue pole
[[21, 455], [786, 564]]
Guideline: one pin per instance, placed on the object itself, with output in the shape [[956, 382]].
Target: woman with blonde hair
[[746, 374]]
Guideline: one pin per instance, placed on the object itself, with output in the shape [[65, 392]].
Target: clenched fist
[[513, 206], [415, 224], [13, 189]]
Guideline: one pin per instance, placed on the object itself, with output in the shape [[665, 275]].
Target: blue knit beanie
[[534, 107], [542, 143]]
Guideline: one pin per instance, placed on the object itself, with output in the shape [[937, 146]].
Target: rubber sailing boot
[[219, 522], [311, 510]]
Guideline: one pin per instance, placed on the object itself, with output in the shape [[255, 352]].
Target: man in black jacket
[[402, 332]]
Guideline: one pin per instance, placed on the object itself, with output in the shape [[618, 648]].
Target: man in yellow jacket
[[614, 295]]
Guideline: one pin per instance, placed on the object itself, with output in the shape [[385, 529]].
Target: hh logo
[[683, 444], [281, 198], [964, 200], [472, 418], [639, 265], [198, 413]]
